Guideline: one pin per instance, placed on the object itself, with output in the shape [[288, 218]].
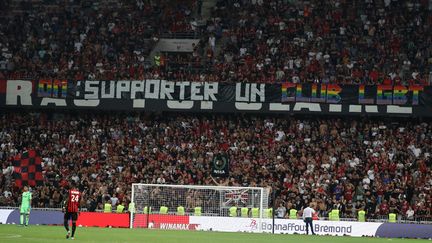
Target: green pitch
[[15, 234]]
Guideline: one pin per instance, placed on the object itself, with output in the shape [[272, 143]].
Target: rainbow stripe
[[399, 95], [284, 89], [415, 93], [333, 91], [362, 99], [299, 94], [60, 88], [383, 96], [323, 92], [44, 88]]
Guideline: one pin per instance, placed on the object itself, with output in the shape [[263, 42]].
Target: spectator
[[410, 214], [334, 169], [261, 41], [281, 211]]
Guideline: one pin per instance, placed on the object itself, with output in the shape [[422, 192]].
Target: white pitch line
[[9, 236]]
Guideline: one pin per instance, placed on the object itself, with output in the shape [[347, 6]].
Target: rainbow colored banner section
[[353, 94], [52, 88]]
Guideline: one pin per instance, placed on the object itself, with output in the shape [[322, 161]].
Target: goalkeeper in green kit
[[25, 206]]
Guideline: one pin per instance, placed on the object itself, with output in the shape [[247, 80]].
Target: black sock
[[73, 228], [66, 225]]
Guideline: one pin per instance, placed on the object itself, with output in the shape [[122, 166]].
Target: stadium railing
[[180, 35]]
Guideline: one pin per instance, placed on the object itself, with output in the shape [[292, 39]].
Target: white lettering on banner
[[284, 226], [255, 91], [219, 172], [92, 89], [178, 96], [279, 107], [152, 89], [371, 108], [122, 87], [166, 89], [250, 91], [21, 89], [182, 105], [241, 106], [110, 94], [355, 108], [56, 102], [239, 96], [335, 108], [399, 109], [310, 106], [210, 91], [139, 103], [174, 226], [86, 103], [137, 87], [182, 86], [195, 89]]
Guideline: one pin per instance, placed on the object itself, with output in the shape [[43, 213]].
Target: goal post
[[191, 207]]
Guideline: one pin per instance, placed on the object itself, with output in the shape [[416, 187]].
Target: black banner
[[162, 95], [220, 165]]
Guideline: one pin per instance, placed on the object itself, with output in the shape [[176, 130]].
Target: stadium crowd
[[80, 39], [243, 40], [326, 41], [380, 165]]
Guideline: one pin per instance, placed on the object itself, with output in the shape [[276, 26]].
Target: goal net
[[182, 206]]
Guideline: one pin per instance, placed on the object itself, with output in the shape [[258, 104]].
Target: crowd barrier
[[227, 224], [88, 219], [104, 219]]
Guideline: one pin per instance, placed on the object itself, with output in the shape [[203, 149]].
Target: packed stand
[[325, 41], [243, 40], [381, 166], [80, 39]]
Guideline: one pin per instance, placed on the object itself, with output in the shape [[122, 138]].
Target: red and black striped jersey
[[73, 201]]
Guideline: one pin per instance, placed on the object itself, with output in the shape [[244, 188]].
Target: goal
[[182, 206]]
